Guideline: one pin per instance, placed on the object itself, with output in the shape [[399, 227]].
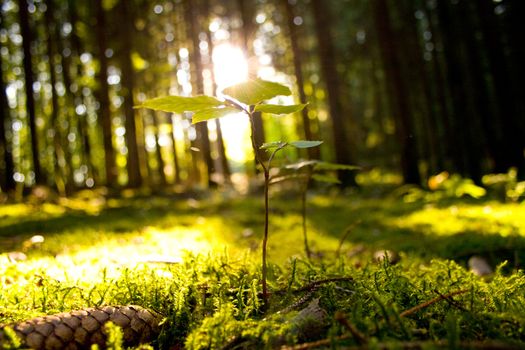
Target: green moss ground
[[196, 260]]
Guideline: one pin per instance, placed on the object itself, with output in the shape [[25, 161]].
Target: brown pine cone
[[80, 329]]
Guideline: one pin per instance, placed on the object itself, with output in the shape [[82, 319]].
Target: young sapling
[[248, 98]]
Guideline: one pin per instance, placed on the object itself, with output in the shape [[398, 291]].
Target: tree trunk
[[103, 96], [82, 124], [60, 165], [397, 94], [462, 73], [247, 13], [7, 182], [221, 149], [202, 140], [343, 154], [128, 80], [27, 35], [509, 145], [158, 152], [313, 152]]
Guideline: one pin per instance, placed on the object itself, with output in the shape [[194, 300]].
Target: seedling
[[248, 98]]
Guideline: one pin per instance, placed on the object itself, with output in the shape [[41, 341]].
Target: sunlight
[[231, 67]]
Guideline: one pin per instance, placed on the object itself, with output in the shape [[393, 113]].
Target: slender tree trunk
[[82, 124], [128, 83], [464, 91], [27, 35], [508, 150], [7, 169], [343, 154], [103, 96], [202, 128], [247, 13], [313, 152], [175, 159], [59, 162], [221, 149], [158, 152], [397, 94]]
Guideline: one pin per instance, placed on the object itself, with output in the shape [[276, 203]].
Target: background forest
[[157, 223], [415, 87]]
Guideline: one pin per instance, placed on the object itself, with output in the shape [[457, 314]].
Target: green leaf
[[275, 144], [279, 109], [326, 179], [301, 164], [180, 104], [334, 166], [255, 91], [305, 144], [211, 113]]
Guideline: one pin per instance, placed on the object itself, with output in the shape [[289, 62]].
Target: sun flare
[[231, 67]]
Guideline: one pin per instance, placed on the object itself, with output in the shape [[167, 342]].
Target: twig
[[451, 301], [430, 302], [316, 284], [358, 336]]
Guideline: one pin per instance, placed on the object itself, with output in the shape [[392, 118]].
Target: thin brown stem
[[430, 302], [358, 336]]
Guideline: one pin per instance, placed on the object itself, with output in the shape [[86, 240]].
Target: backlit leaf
[[334, 166], [211, 113], [302, 164], [275, 144], [279, 109], [305, 144], [180, 104], [256, 90]]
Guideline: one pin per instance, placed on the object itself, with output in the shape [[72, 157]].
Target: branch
[[430, 302]]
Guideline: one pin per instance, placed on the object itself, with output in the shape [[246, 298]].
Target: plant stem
[[266, 171], [303, 213]]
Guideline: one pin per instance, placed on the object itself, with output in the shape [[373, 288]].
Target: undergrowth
[[210, 297]]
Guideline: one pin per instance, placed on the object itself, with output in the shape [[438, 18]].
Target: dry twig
[[430, 302]]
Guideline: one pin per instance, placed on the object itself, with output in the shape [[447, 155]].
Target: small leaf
[[255, 91], [275, 144], [326, 179], [305, 144], [334, 166], [211, 113], [180, 104], [279, 109], [302, 164]]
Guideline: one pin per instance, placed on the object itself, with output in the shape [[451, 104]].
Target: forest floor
[[195, 259]]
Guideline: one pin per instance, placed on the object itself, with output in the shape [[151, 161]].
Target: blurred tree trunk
[[175, 157], [221, 149], [342, 144], [158, 151], [247, 11], [313, 152], [103, 95], [409, 41], [126, 35], [82, 125], [7, 169], [508, 148], [465, 91], [397, 93], [60, 165], [202, 140], [27, 35]]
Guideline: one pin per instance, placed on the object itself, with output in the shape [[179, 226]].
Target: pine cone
[[80, 329]]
